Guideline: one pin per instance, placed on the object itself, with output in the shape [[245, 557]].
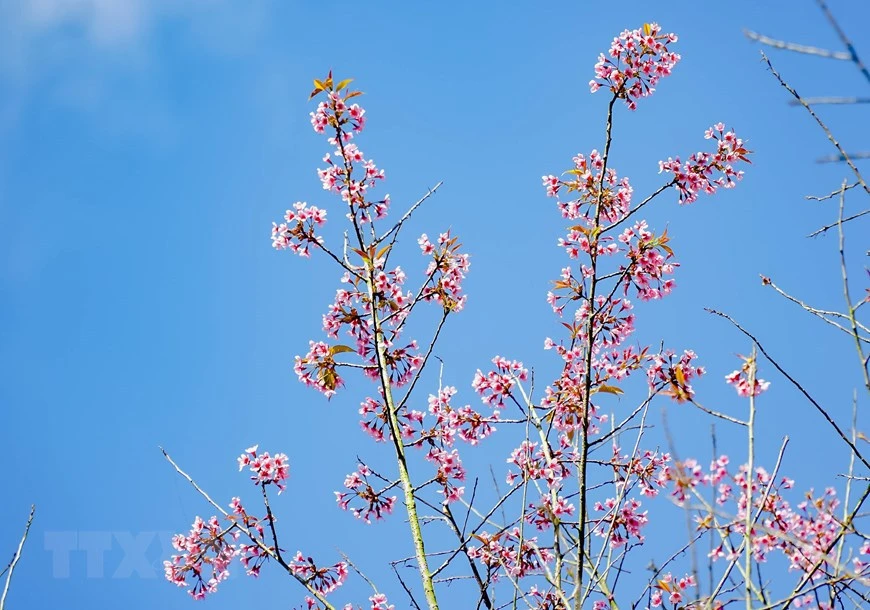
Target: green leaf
[[343, 84]]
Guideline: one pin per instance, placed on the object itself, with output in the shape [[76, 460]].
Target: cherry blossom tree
[[584, 478]]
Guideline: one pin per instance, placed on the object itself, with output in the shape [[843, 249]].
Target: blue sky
[[146, 147]]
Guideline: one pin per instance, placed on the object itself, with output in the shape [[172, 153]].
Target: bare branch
[[855, 156], [820, 123], [831, 100], [820, 313], [853, 54], [844, 220], [855, 325], [796, 384], [397, 227], [833, 194], [797, 48], [11, 567]]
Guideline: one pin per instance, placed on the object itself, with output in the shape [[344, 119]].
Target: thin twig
[[834, 224], [853, 54], [855, 325], [190, 480], [820, 313], [831, 100], [16, 557], [727, 418], [797, 48], [795, 383], [405, 587], [832, 194], [396, 227], [271, 518], [357, 570], [820, 123], [855, 156]]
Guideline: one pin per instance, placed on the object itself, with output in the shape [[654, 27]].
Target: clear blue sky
[[145, 148]]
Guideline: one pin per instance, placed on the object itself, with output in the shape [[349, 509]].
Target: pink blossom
[[637, 60], [267, 469], [324, 580], [370, 502], [745, 381], [205, 555], [496, 385], [707, 172]]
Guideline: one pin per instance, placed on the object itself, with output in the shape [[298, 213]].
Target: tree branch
[[11, 567]]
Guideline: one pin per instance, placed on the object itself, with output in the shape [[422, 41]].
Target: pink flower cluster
[[338, 177], [252, 556], [510, 551], [673, 588], [446, 271], [373, 503], [495, 386], [805, 534], [612, 322], [545, 601], [622, 521], [595, 187], [685, 477], [323, 580], [352, 311], [707, 172], [336, 112], [450, 469], [374, 421], [648, 255], [268, 470], [534, 465], [297, 232], [668, 371], [646, 467], [317, 368], [206, 554], [345, 120], [637, 60], [617, 364], [548, 510], [741, 381], [465, 422]]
